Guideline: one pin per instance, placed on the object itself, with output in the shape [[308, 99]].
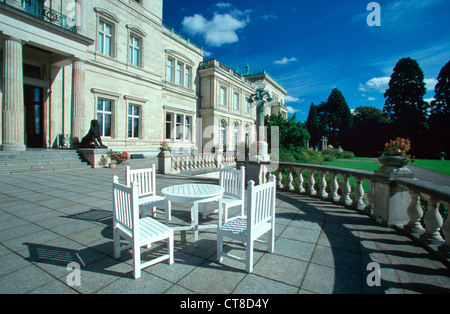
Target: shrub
[[348, 154]]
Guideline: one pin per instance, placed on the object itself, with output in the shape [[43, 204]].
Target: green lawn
[[433, 164], [355, 163]]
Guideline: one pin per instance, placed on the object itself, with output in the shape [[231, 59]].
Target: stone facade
[[113, 61]]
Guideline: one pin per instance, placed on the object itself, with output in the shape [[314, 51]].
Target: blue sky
[[311, 47]]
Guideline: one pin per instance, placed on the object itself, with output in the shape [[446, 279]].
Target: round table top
[[192, 192]]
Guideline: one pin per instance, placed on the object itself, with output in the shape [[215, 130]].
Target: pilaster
[[78, 97], [13, 100]]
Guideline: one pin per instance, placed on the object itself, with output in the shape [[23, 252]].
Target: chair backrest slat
[[144, 177], [125, 205], [232, 181], [261, 202]]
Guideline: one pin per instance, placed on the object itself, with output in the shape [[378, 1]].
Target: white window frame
[[104, 113], [188, 77], [236, 99], [132, 48], [102, 23], [222, 134], [133, 116], [223, 96], [170, 69], [180, 127]]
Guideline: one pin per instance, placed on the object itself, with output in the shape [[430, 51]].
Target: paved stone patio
[[49, 219]]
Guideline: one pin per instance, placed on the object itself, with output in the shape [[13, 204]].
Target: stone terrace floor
[[48, 219]]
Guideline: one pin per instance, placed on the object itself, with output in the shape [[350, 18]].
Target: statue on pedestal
[[93, 139]]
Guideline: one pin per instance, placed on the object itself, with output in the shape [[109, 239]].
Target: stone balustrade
[[422, 208], [177, 163]]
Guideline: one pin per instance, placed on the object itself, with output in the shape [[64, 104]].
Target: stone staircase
[[37, 159]]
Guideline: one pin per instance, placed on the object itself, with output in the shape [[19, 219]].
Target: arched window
[[235, 137], [222, 134]]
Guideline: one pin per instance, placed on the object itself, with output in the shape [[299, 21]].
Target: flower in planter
[[398, 147], [119, 157]]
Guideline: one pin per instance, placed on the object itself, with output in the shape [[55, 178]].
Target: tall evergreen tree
[[340, 119], [440, 115], [441, 102], [404, 104], [312, 125]]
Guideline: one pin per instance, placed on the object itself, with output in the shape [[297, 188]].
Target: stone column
[[80, 17], [78, 97], [13, 103]]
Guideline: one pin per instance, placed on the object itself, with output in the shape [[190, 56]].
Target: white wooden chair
[[232, 180], [146, 179], [260, 220], [138, 231]]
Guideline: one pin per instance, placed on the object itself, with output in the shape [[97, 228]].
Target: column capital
[[14, 39]]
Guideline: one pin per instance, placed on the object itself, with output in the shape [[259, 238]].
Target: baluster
[[346, 189], [311, 182], [433, 223], [289, 180], [446, 232], [415, 214], [370, 197], [300, 181], [359, 194], [279, 177], [323, 185], [334, 188]]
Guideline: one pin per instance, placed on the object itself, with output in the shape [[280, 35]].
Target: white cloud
[[291, 110], [430, 83], [293, 99], [379, 84], [223, 5], [285, 60], [220, 30]]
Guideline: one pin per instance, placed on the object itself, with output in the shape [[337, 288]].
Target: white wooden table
[[194, 194]]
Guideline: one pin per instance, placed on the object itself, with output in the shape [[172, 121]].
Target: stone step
[[40, 160]]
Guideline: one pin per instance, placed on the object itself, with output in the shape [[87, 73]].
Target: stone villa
[[67, 62]]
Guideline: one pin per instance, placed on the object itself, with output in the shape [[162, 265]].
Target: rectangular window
[[169, 76], [169, 126], [247, 107], [236, 101], [188, 77], [179, 76], [135, 51], [223, 96], [188, 128], [104, 114], [105, 38], [179, 127], [133, 121]]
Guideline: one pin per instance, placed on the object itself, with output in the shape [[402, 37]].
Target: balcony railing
[[37, 9]]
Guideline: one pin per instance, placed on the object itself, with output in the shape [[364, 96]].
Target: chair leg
[[249, 257], [219, 247], [154, 212], [170, 247], [116, 244], [271, 241], [225, 212], [169, 210], [136, 261]]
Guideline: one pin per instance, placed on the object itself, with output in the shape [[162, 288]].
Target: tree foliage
[[439, 121], [312, 125], [335, 118], [404, 104]]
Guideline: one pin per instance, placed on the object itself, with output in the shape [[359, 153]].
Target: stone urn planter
[[393, 161], [393, 166]]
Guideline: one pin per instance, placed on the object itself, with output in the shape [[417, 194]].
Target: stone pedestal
[[13, 102], [164, 161], [255, 170], [390, 200], [96, 157]]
